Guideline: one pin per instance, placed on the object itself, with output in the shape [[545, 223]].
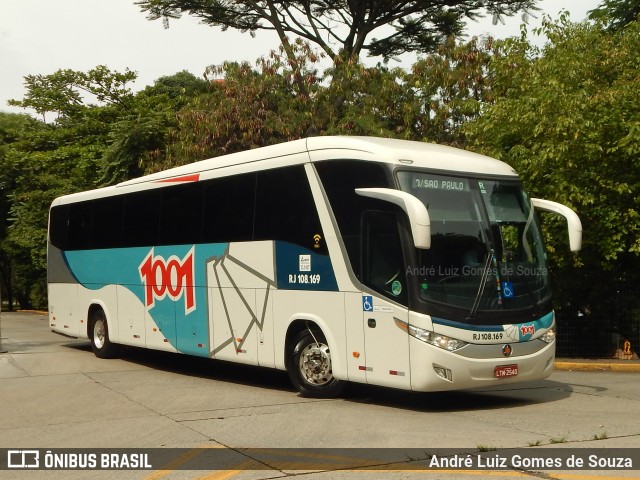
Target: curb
[[595, 366]]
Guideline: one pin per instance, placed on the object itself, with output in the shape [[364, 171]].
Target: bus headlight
[[432, 338], [549, 336]]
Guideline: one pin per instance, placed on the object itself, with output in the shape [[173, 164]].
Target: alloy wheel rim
[[98, 334], [315, 364]]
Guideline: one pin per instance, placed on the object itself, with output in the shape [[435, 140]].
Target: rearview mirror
[[574, 224], [416, 211]]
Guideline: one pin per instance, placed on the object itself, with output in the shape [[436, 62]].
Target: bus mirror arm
[[573, 221], [416, 211]]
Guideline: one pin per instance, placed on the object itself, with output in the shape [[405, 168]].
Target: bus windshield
[[486, 250]]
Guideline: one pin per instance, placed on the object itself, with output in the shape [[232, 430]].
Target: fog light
[[443, 372]]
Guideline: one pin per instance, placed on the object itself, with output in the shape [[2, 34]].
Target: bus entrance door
[[386, 345]]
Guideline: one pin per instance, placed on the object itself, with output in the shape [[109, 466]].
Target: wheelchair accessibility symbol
[[507, 290], [367, 303]]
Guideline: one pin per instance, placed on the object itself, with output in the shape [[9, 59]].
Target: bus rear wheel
[[100, 342], [310, 368]]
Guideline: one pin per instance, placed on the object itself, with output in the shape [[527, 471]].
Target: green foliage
[[11, 128], [615, 14], [567, 119], [451, 86], [565, 116], [361, 100], [46, 162], [247, 107], [243, 108], [178, 88], [11, 131], [101, 134], [63, 92], [138, 137]]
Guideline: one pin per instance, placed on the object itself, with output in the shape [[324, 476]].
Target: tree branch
[[310, 19]]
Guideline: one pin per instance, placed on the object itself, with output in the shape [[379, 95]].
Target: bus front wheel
[[310, 368], [100, 342]]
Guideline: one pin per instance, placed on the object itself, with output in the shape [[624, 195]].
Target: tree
[[11, 132], [567, 118], [49, 160], [344, 28], [139, 136], [99, 135], [616, 13], [65, 91], [243, 108], [451, 86], [247, 107]]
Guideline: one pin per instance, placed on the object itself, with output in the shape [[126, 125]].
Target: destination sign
[[424, 182]]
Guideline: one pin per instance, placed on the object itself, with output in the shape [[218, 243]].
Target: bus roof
[[418, 154], [313, 149], [388, 150]]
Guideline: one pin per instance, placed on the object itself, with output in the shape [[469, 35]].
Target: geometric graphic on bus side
[[239, 296]]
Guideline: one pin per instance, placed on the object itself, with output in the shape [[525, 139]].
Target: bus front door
[[386, 345]]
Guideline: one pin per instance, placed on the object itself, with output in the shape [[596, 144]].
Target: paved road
[[54, 393]]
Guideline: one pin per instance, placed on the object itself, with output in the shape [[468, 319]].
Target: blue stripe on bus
[[466, 326], [183, 328], [541, 323], [186, 326]]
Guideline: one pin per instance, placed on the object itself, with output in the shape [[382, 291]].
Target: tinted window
[[228, 209], [181, 215], [141, 218], [59, 226], [340, 178], [79, 226], [270, 205], [106, 224], [285, 209]]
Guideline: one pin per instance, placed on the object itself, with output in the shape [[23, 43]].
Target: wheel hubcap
[[315, 364], [98, 334]]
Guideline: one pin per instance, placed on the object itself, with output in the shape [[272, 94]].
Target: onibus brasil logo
[[168, 277]]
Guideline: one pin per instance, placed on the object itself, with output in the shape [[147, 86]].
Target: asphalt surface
[[54, 393]]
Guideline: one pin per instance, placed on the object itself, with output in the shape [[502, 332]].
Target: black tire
[[100, 342], [310, 367]]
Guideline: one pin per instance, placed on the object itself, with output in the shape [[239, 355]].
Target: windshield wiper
[[483, 282]]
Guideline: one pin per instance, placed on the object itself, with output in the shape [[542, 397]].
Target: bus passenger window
[[285, 209], [229, 203]]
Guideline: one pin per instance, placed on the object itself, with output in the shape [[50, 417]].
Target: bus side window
[[285, 209], [181, 214], [141, 218], [80, 226], [383, 267], [229, 204], [339, 179], [59, 226], [106, 224]]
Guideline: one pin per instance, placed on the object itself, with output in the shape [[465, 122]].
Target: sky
[[42, 36]]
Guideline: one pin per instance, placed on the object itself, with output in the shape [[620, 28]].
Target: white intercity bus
[[388, 262]]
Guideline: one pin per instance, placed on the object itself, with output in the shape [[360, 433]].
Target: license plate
[[503, 371]]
